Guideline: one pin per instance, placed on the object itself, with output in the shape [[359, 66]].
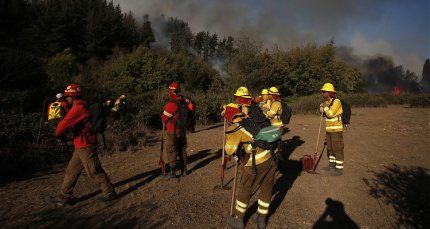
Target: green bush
[[306, 104], [421, 100]]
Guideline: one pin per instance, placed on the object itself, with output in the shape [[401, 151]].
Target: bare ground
[[386, 182]]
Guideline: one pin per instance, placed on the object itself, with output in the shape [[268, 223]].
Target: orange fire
[[398, 91]]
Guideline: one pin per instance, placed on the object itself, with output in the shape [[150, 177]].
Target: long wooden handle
[[161, 162], [233, 195], [318, 138], [223, 155]]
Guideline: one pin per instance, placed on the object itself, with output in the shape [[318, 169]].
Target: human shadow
[[150, 175], [407, 189], [290, 145], [334, 216], [209, 127], [53, 217], [289, 171], [203, 163]]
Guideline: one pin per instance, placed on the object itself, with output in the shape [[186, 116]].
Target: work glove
[[322, 105], [235, 158]]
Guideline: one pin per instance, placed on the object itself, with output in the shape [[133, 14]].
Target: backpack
[[265, 135], [346, 115], [287, 112], [55, 111], [185, 119], [98, 118], [256, 121]]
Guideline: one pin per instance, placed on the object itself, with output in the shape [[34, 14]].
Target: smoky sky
[[284, 23]]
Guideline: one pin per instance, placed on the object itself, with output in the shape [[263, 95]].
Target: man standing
[[332, 110], [85, 155], [239, 140], [275, 109], [176, 142]]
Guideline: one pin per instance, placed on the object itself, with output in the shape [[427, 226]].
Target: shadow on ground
[[334, 216], [129, 217], [407, 189], [289, 170]]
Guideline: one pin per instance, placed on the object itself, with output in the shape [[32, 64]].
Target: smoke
[[283, 24], [380, 73]]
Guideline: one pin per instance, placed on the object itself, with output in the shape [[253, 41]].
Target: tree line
[[46, 44]]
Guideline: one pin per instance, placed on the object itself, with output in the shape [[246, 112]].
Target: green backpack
[[269, 134]]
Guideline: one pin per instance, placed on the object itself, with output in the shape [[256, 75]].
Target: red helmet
[[72, 90], [175, 86]]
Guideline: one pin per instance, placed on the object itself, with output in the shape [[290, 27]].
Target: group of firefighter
[[77, 116], [239, 139]]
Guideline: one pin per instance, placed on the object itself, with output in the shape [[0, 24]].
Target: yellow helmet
[[274, 91], [264, 92], [328, 87], [242, 92]]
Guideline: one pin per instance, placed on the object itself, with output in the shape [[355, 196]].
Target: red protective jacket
[[79, 118], [170, 115]]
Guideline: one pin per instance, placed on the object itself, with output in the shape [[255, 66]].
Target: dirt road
[[386, 182]]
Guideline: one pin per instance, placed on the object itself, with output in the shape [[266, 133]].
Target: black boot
[[184, 167], [61, 202], [184, 172], [234, 222], [336, 172], [260, 220], [331, 167], [172, 174]]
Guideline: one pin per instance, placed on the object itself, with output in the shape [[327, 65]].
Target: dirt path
[[386, 182]]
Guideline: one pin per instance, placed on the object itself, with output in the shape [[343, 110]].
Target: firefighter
[[332, 110], [57, 109], [263, 100], [244, 99], [192, 106], [84, 155], [176, 139], [116, 109], [120, 101], [239, 140], [274, 110]]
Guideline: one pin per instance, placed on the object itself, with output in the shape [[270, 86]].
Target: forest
[[48, 44]]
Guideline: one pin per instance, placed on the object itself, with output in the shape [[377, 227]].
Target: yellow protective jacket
[[333, 118], [274, 113], [233, 140]]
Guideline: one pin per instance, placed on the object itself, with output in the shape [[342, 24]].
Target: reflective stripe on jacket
[[241, 135], [170, 115], [333, 120]]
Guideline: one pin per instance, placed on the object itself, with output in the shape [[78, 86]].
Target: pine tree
[[146, 35], [426, 72]]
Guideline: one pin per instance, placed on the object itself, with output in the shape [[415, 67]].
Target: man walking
[[85, 155]]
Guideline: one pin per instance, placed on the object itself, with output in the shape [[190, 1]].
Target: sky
[[397, 29]]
